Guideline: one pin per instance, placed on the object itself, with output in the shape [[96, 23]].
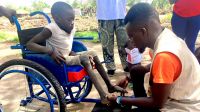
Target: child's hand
[[92, 61], [57, 56]]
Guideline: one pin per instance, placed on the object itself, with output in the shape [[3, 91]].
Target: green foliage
[[8, 36], [162, 6], [132, 2], [166, 18], [89, 4], [160, 3], [75, 4], [39, 5], [12, 37]]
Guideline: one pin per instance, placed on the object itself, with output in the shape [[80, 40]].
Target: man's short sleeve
[[166, 68]]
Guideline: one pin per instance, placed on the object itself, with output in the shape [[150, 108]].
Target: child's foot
[[104, 100], [113, 89]]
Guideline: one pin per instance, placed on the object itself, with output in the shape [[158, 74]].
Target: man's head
[[63, 15], [142, 25]]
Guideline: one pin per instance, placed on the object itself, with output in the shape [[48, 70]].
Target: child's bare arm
[[41, 37]]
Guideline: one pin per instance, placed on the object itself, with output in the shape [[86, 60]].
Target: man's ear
[[143, 30]]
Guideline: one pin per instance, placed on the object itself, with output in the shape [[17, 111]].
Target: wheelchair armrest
[[17, 46], [78, 46], [84, 38], [24, 50]]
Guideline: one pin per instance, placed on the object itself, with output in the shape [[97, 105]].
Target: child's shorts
[[75, 60]]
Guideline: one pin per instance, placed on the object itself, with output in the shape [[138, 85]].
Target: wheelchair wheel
[[79, 90], [84, 88], [28, 86]]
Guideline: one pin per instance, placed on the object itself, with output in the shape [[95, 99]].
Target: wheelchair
[[47, 82]]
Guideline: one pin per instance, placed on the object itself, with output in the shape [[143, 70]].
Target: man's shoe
[[111, 72], [126, 69]]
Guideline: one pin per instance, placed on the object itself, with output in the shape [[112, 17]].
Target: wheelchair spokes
[[34, 94], [78, 90]]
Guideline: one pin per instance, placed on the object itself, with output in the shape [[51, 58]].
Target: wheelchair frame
[[60, 73]]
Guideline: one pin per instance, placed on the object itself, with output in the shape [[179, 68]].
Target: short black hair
[[59, 8], [139, 13]]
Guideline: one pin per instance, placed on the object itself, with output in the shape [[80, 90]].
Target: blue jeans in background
[[186, 28]]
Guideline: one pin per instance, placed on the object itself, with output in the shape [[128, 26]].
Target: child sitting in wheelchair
[[59, 39]]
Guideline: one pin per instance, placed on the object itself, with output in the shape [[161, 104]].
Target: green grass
[[167, 18], [12, 36], [8, 37], [88, 33]]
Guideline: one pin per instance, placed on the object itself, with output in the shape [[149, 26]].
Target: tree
[[76, 4], [132, 2], [39, 5]]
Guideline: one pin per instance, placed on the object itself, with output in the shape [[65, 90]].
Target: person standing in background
[[110, 15], [186, 20]]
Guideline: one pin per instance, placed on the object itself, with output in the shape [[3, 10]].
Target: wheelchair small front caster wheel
[[23, 103]]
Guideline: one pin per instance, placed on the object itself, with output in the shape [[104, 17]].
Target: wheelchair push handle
[[41, 13], [16, 22]]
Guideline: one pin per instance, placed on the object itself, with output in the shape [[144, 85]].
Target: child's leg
[[84, 59], [104, 75], [137, 73]]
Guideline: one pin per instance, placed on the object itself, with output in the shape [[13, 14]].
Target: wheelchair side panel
[[70, 74], [46, 61]]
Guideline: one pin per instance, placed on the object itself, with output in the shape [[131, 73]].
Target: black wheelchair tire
[[45, 72], [89, 87]]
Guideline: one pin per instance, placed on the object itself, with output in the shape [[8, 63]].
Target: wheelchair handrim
[[24, 66]]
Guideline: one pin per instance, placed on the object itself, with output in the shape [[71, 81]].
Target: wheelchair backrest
[[27, 34]]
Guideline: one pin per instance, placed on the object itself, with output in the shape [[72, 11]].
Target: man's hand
[[57, 56], [112, 97], [123, 83], [8, 13]]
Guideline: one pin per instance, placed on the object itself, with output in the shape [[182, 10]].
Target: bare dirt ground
[[7, 54]]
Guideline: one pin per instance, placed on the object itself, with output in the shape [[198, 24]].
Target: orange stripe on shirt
[[166, 68]]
